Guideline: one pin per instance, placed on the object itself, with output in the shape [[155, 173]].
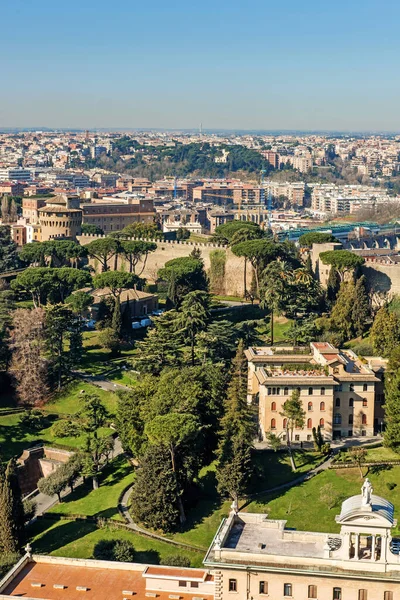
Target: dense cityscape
[[200, 301]]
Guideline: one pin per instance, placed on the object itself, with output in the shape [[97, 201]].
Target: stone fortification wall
[[233, 284], [382, 277]]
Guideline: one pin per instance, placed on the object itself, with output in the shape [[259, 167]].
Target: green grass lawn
[[14, 438], [124, 377], [102, 502], [306, 507], [373, 455], [69, 401], [77, 539], [271, 469]]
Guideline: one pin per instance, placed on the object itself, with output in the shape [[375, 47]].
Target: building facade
[[250, 558], [60, 219], [339, 393], [114, 216]]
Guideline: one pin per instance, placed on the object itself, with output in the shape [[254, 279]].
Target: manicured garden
[[77, 539], [103, 502]]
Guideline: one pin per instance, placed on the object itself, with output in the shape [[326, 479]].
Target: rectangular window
[[233, 585], [194, 584], [312, 591], [263, 587], [362, 595], [387, 595], [337, 593], [182, 584], [287, 589]]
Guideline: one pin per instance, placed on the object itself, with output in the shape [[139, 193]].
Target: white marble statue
[[366, 492]]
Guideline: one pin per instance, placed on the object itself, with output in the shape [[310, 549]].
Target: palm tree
[[193, 317]]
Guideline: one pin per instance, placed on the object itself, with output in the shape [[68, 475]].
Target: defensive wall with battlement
[[167, 250]]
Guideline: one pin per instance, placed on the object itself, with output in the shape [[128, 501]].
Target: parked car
[[158, 312], [136, 325], [145, 322]]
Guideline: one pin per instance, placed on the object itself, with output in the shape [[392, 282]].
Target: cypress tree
[[391, 435], [341, 315], [385, 332], [238, 432], [117, 319], [126, 325], [11, 519], [361, 312], [333, 284], [17, 505]]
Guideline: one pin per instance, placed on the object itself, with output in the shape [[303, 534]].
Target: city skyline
[[170, 67]]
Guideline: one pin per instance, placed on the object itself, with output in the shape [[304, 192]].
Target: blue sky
[[255, 64]]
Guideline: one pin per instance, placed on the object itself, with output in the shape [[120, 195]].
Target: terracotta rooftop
[[94, 583]]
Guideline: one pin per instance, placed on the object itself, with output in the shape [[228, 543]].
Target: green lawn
[[77, 539], [69, 401], [271, 469], [14, 438], [306, 507], [102, 502], [373, 455], [124, 377]]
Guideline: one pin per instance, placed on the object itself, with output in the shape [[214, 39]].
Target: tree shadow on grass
[[204, 500], [151, 557], [376, 469], [63, 534]]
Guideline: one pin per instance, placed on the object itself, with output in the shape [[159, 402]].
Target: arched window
[[273, 406], [351, 387], [364, 419], [273, 391], [351, 419], [269, 391], [286, 391], [365, 387], [299, 390], [322, 406], [310, 391], [322, 423], [337, 402], [284, 423], [337, 419], [322, 391], [309, 423], [278, 391], [351, 402], [310, 406], [365, 402], [273, 423]]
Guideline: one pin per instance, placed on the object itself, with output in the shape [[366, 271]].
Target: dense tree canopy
[[316, 237], [343, 261], [183, 275]]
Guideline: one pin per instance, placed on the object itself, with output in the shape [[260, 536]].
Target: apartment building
[[30, 208], [114, 216], [15, 174], [339, 392], [303, 162]]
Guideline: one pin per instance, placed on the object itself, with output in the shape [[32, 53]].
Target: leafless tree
[[28, 364]]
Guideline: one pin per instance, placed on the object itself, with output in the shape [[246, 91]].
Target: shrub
[[29, 509], [34, 420], [363, 349], [65, 428], [175, 561], [391, 485], [117, 550]]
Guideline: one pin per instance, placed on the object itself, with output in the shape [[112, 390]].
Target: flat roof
[[101, 584]]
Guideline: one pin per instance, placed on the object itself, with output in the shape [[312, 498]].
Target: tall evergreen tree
[[11, 511], [361, 312], [342, 312], [117, 318], [391, 435], [385, 332], [238, 430], [8, 250], [155, 493]]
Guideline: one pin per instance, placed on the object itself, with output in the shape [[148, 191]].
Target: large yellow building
[[60, 218], [340, 392]]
